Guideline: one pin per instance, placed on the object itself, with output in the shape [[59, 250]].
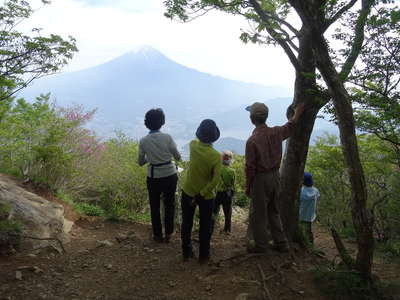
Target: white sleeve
[[174, 150]]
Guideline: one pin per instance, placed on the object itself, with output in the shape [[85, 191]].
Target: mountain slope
[[123, 89]]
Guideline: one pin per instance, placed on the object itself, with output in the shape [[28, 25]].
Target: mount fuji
[[124, 88]]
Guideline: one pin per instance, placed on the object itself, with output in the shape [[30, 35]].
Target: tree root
[[244, 256], [266, 292]]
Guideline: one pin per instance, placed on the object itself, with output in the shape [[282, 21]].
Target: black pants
[[224, 199], [167, 187], [188, 210]]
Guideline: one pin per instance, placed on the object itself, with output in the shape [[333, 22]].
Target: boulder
[[39, 217]]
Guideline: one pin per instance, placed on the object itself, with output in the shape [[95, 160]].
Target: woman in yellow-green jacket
[[198, 188]]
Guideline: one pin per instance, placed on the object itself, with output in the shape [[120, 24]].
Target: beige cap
[[258, 109]]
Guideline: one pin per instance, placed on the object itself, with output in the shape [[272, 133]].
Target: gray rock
[[41, 218]]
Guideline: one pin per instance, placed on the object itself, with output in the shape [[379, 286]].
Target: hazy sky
[[105, 29]]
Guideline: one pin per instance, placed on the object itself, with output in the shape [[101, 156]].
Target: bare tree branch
[[336, 17], [286, 47]]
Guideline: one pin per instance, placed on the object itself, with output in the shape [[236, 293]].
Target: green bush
[[238, 165], [242, 200], [325, 161], [48, 145], [120, 181], [89, 209]]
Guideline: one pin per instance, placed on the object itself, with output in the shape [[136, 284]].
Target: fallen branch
[[40, 239], [278, 271], [266, 293], [245, 256], [344, 255]]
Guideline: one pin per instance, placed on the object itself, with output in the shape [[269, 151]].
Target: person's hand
[[299, 109], [297, 112]]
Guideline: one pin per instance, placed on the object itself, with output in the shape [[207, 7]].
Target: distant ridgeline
[[124, 88]]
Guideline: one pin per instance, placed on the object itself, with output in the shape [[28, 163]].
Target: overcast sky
[[105, 29]]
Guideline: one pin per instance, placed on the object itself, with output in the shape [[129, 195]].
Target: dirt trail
[[98, 266]]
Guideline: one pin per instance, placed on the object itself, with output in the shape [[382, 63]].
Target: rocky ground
[[106, 260]]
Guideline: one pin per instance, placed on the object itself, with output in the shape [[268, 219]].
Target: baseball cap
[[258, 109], [308, 180]]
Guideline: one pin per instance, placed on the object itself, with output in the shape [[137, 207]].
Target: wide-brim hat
[[207, 132]]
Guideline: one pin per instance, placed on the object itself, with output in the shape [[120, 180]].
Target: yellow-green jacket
[[227, 179], [204, 171]]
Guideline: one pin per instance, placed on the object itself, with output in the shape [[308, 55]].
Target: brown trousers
[[265, 210]]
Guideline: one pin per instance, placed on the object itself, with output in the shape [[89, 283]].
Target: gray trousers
[[264, 210]]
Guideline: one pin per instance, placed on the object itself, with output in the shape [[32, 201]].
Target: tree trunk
[[292, 168], [362, 218]]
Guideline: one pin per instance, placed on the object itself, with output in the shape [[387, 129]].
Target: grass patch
[[389, 250], [89, 209], [10, 231], [113, 213], [10, 226], [140, 218], [341, 284]]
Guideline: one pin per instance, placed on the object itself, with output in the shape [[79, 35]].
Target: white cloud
[[210, 44]]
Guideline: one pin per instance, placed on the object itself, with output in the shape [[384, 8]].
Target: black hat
[[208, 131]]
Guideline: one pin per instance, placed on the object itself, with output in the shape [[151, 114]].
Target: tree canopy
[[25, 57], [377, 78]]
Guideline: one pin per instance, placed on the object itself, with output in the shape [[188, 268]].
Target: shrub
[[341, 284], [89, 209], [241, 200], [120, 182]]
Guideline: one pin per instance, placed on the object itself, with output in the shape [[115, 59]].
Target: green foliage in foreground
[[240, 185], [341, 284], [49, 146]]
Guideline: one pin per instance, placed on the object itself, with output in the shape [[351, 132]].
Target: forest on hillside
[[357, 173]]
